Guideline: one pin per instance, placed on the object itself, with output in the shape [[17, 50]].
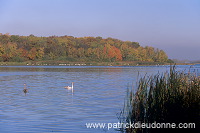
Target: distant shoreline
[[65, 63]]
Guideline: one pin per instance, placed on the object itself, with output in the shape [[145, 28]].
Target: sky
[[170, 25]]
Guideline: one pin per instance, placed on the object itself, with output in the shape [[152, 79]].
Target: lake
[[98, 97]]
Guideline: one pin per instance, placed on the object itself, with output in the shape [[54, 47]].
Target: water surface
[[98, 96]]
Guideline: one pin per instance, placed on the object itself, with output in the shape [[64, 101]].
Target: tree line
[[17, 48]]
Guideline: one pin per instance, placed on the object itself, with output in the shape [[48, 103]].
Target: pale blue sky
[[171, 25]]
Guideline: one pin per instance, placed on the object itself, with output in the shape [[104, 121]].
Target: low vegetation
[[172, 97]]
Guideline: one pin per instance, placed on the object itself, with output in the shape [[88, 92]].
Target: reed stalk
[[172, 97]]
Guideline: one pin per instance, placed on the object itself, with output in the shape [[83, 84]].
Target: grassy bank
[[163, 98]]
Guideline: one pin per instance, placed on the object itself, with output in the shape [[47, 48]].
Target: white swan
[[70, 87]]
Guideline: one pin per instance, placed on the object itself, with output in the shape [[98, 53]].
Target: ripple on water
[[98, 97]]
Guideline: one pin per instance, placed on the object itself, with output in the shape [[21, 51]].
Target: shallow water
[[98, 96]]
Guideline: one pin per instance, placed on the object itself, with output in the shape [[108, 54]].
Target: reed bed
[[172, 97]]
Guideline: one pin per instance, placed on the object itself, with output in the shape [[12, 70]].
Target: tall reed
[[172, 97]]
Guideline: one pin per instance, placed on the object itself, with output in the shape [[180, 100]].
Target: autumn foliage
[[69, 48]]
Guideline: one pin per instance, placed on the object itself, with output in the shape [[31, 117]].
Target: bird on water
[[25, 90], [70, 87]]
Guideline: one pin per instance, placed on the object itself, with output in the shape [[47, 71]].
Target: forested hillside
[[14, 48]]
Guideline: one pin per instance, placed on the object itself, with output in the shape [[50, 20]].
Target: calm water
[[98, 96]]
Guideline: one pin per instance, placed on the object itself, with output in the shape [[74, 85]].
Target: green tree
[[10, 50], [2, 50], [40, 53]]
